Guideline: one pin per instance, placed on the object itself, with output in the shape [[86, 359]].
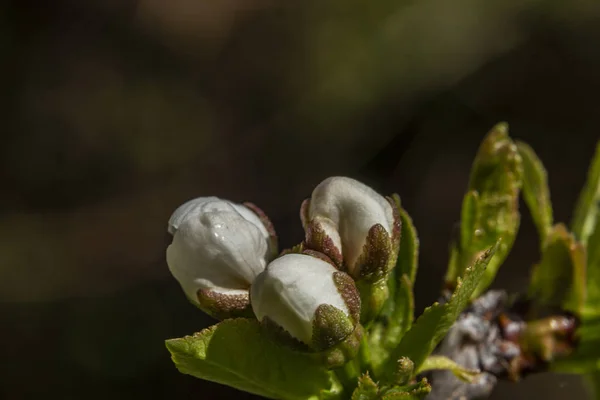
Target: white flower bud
[[218, 249], [308, 298], [353, 225], [181, 213]]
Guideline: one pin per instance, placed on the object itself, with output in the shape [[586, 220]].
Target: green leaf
[[468, 221], [490, 207], [431, 327], [441, 362], [535, 190], [469, 218], [587, 211], [560, 277], [403, 314], [587, 355], [454, 263], [236, 352], [399, 319], [586, 358], [366, 389], [408, 256], [592, 303]]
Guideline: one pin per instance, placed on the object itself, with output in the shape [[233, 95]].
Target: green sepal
[[366, 389], [431, 327], [330, 327], [587, 211], [237, 353], [343, 352], [405, 370], [415, 391], [535, 191]]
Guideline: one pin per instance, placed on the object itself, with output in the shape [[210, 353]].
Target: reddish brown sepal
[[376, 257], [268, 225], [223, 306], [317, 239]]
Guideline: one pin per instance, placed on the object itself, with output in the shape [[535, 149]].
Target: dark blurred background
[[115, 112]]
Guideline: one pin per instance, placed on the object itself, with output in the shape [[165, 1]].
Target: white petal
[[249, 215], [290, 290], [353, 208], [331, 230], [216, 248], [180, 214]]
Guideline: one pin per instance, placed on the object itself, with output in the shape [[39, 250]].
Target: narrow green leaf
[[403, 315], [587, 211], [236, 352], [535, 190], [441, 362], [454, 263], [408, 256], [431, 327], [490, 208], [377, 351], [592, 303], [366, 389], [469, 218], [468, 221], [560, 277]]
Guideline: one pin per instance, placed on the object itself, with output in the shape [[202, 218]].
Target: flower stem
[[348, 375]]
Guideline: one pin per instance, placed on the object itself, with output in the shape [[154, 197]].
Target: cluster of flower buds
[[224, 255]]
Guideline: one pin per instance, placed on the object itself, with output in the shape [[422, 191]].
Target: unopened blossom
[[306, 297], [218, 249], [354, 225]]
